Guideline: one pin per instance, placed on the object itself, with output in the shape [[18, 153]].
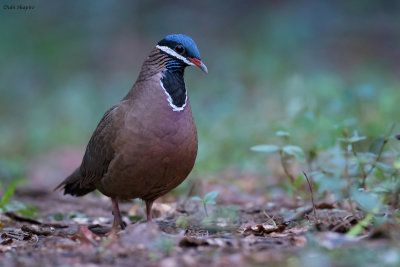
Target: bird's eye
[[180, 49]]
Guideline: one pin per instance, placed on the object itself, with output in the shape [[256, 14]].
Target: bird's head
[[181, 49]]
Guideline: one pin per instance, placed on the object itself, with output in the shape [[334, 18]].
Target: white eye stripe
[[171, 52]]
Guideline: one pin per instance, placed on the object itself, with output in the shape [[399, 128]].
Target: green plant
[[209, 198], [24, 209], [287, 153], [160, 247], [181, 222], [6, 198]]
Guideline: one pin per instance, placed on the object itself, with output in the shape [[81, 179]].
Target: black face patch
[[175, 86]]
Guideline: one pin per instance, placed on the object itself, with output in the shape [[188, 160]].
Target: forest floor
[[244, 228]]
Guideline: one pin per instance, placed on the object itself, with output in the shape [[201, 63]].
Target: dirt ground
[[242, 229]]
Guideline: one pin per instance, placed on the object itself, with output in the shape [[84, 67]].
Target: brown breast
[[155, 148]]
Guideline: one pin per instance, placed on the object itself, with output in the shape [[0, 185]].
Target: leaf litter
[[77, 230]]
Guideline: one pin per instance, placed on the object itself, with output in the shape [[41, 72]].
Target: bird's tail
[[72, 185]]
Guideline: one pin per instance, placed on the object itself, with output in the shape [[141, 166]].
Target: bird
[[146, 144]]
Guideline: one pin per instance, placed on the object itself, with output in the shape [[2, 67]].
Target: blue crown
[[187, 42]]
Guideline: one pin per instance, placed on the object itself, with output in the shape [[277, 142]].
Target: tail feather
[[72, 185]]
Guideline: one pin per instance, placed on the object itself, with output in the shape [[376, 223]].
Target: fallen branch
[[19, 218], [37, 230]]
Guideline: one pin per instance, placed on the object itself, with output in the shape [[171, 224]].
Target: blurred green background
[[301, 66]]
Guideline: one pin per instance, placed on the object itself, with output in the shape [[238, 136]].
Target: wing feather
[[99, 151]]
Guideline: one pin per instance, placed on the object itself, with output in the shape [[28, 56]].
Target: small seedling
[[5, 199], [209, 198], [57, 217], [359, 227], [24, 209], [286, 153]]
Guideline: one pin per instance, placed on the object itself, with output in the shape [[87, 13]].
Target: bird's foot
[[118, 222]]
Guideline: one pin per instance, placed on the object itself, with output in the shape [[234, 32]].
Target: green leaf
[[265, 148], [207, 221], [294, 151], [357, 229], [4, 199], [354, 139], [77, 215], [298, 181], [377, 145], [210, 196], [366, 157], [282, 133], [385, 168], [196, 198], [387, 186], [368, 201], [24, 209], [29, 211], [182, 222], [378, 174], [58, 216], [212, 202], [135, 218]]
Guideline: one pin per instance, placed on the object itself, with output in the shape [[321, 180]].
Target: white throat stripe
[[169, 99], [171, 52]]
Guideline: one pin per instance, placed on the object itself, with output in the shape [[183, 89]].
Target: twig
[[299, 215], [205, 208], [361, 168], [19, 218], [346, 221], [286, 170], [288, 174], [269, 218], [346, 163], [385, 140], [312, 197]]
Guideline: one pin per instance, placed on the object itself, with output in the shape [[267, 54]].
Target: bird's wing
[[99, 151]]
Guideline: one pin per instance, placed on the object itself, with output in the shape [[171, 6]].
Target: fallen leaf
[[86, 236], [38, 230], [262, 229]]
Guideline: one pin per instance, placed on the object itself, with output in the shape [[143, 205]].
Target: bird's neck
[[155, 63], [174, 87], [171, 81]]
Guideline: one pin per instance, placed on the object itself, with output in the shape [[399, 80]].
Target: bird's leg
[[149, 204], [117, 215]]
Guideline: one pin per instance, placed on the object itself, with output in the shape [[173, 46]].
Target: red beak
[[199, 64]]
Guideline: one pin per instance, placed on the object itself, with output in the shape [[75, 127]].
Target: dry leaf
[[262, 229], [38, 230]]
